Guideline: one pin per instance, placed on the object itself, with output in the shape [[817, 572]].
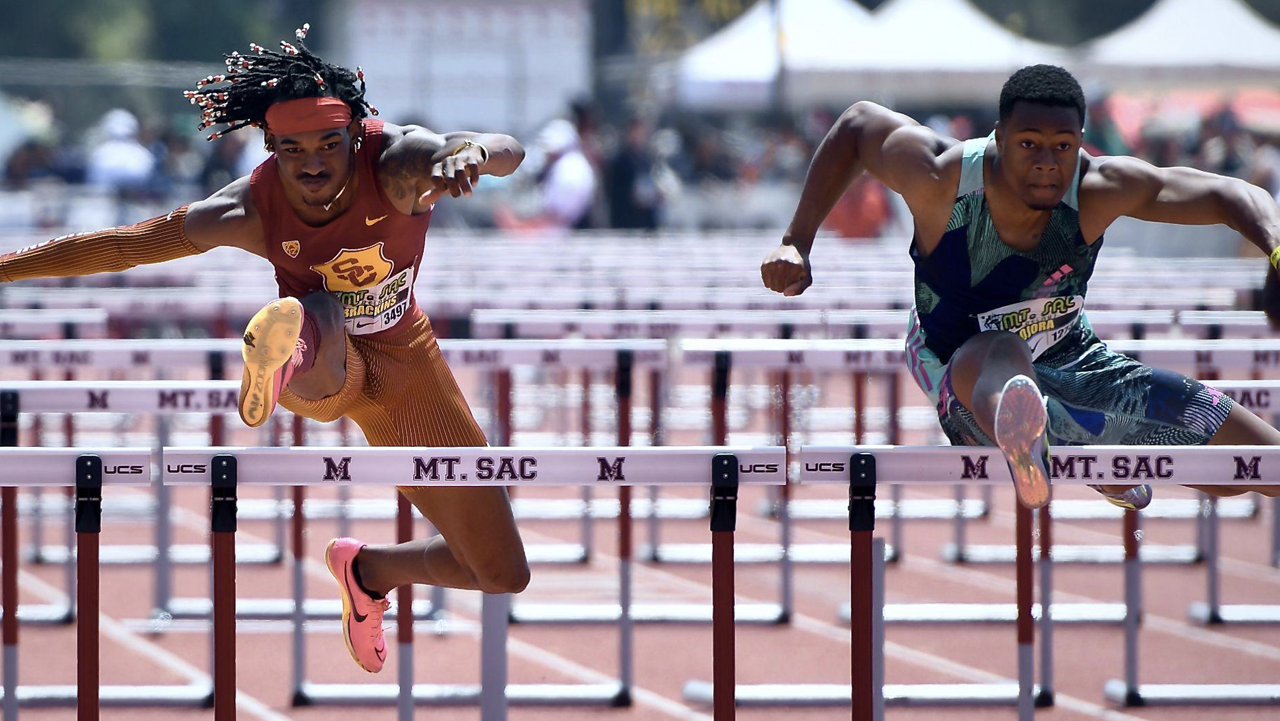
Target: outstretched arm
[[420, 166], [1135, 188], [897, 150], [1132, 187], [103, 251], [192, 229]]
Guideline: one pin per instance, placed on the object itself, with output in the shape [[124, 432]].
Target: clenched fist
[[786, 270]]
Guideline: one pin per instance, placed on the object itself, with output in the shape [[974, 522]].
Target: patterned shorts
[[1096, 397]]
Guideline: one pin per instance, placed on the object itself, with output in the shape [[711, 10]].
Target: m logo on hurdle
[[339, 471], [611, 471], [346, 337], [1248, 470], [996, 219]]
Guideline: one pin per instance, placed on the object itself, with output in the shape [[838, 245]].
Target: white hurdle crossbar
[[721, 469], [51, 322]]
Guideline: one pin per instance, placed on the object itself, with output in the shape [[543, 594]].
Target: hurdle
[[152, 356], [1256, 396], [866, 467], [1210, 357], [89, 471], [32, 323], [721, 469]]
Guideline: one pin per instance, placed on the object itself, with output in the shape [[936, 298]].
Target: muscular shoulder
[[1113, 186], [406, 159], [1112, 174], [226, 218], [908, 157]]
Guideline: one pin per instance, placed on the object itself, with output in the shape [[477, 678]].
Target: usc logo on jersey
[[351, 270]]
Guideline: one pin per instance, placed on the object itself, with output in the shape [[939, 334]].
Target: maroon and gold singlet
[[367, 257]]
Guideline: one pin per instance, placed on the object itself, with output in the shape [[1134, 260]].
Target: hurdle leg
[[163, 590], [404, 618], [587, 524], [1045, 697], [895, 492], [865, 557], [786, 572], [9, 591], [69, 521], [1026, 626], [344, 492], [495, 611], [959, 526], [655, 439], [88, 527], [1275, 531], [724, 502], [1133, 605], [1213, 582], [297, 525], [9, 560], [223, 541], [626, 627], [877, 628]]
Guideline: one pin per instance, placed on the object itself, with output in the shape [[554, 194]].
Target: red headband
[[306, 114]]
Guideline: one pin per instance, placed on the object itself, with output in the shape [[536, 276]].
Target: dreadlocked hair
[[252, 83]]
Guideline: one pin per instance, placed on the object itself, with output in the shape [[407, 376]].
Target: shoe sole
[[269, 340], [346, 606], [1020, 422]]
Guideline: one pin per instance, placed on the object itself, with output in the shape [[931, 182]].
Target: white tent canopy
[[736, 67], [1189, 41], [834, 52]]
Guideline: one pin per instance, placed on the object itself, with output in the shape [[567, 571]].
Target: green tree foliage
[[150, 29]]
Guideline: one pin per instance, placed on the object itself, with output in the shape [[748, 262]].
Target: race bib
[[377, 307], [1041, 322]]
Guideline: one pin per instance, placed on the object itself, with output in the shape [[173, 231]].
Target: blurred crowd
[[634, 173]]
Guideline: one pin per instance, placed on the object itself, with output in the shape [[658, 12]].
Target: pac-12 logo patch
[[291, 248], [351, 270]]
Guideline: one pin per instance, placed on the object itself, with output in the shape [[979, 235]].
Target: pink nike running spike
[[1021, 422], [361, 613]]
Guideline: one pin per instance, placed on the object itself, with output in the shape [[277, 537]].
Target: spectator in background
[[862, 212], [1101, 131], [120, 164], [567, 182], [223, 164], [31, 161], [630, 186]]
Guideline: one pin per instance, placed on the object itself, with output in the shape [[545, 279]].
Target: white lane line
[[527, 651], [928, 661], [150, 651]]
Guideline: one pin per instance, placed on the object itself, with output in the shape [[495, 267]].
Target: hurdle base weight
[[276, 609], [197, 695], [771, 695], [386, 694], [1242, 614], [1179, 694], [576, 613], [45, 614], [1168, 555]]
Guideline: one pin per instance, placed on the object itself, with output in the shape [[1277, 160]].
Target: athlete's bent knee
[[326, 311], [509, 579]]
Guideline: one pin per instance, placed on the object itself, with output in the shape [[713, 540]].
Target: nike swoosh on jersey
[[374, 221]]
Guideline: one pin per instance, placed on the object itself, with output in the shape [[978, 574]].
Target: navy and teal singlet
[[974, 282]]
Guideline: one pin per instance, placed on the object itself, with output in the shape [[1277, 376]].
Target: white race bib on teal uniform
[[1041, 322]]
